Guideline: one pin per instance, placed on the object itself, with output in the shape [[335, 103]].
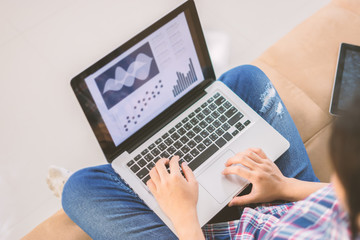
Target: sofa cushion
[[351, 5], [307, 56]]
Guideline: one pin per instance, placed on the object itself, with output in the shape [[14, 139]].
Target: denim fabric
[[102, 204]]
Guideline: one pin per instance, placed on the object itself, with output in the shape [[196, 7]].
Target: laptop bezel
[[93, 115]]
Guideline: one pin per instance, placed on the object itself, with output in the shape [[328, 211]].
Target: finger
[[242, 200], [233, 160], [242, 159], [238, 170], [151, 185], [259, 152], [161, 169], [154, 175], [248, 162], [189, 175], [255, 157], [174, 165]]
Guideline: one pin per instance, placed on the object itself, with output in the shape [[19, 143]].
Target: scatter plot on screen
[[142, 104]]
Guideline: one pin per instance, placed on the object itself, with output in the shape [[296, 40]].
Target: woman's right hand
[[265, 176]]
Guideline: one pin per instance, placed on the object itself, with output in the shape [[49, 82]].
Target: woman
[[102, 204]]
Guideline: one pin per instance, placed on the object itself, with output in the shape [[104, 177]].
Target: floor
[[43, 44]]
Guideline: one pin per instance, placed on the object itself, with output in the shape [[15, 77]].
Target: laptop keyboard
[[195, 138]]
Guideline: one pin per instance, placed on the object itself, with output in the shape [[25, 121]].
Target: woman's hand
[[177, 196], [265, 176]]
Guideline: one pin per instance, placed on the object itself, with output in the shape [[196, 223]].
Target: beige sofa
[[301, 65]]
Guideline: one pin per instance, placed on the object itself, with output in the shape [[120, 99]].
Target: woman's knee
[[74, 188], [246, 81], [80, 186], [243, 74]]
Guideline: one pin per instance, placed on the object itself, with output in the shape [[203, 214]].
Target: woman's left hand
[[176, 195], [267, 179]]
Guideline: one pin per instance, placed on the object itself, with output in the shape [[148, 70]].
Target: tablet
[[347, 78]]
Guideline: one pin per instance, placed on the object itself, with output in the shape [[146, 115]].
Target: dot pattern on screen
[[141, 105]]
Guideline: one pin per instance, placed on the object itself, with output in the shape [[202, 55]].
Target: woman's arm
[[177, 196], [269, 183], [295, 190]]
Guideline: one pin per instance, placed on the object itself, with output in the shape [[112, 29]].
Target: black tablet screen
[[350, 84]]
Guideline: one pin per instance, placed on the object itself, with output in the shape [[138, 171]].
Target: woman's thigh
[[255, 88], [104, 206]]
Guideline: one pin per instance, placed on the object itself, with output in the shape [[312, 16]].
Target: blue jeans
[[103, 205]]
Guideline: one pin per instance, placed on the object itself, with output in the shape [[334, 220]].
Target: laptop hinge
[[165, 120]]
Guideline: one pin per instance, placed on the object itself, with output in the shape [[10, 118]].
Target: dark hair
[[345, 157]]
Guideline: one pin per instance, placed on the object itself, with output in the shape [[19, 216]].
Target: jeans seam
[[123, 185]]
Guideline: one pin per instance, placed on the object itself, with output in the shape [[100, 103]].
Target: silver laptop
[[157, 96]]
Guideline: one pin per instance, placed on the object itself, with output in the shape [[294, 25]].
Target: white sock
[[56, 179]]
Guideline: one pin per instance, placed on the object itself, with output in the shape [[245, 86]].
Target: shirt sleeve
[[317, 217]]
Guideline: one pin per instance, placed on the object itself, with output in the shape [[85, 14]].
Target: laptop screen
[[135, 90], [146, 79]]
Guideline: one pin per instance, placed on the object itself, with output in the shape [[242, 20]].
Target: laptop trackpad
[[221, 187]]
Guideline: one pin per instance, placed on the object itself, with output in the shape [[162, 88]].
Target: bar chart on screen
[[184, 81]]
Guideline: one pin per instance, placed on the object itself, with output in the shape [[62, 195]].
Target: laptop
[[157, 96]]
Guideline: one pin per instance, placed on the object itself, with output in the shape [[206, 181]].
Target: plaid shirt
[[319, 216]]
